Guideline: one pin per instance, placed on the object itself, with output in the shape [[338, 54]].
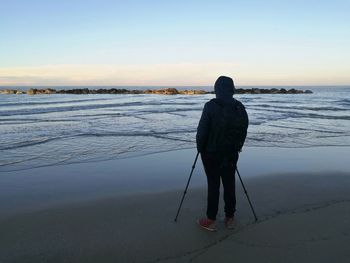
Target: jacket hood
[[224, 88]]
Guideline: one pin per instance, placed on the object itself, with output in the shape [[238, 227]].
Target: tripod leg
[[188, 182], [246, 193]]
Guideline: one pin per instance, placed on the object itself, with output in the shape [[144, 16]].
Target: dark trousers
[[217, 167]]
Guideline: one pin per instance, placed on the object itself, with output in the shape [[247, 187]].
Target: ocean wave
[[294, 107], [19, 121], [134, 133], [318, 116], [345, 102], [309, 129], [157, 134], [295, 114], [43, 103], [35, 111], [21, 144]]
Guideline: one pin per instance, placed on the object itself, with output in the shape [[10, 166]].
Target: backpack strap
[[222, 104]]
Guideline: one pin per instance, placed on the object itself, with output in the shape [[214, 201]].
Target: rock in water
[[8, 91], [168, 91], [31, 91]]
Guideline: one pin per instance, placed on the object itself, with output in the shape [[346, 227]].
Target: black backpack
[[233, 123]]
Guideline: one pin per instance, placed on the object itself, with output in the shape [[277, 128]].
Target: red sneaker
[[229, 222], [207, 224]]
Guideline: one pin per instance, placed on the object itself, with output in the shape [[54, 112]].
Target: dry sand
[[302, 218]]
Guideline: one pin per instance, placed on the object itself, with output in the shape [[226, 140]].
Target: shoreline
[[176, 150], [44, 187]]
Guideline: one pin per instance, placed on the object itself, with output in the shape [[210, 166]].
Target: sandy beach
[[303, 216]]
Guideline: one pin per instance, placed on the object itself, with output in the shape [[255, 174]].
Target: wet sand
[[303, 217]]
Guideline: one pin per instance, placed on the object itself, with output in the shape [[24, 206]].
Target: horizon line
[[182, 86]]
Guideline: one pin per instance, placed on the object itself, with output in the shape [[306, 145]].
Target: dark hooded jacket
[[224, 121]]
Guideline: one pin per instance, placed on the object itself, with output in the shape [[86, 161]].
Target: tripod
[[246, 193], [188, 182]]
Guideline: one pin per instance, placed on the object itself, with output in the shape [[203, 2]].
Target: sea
[[59, 129]]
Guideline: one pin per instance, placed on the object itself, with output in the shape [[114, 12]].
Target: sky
[[179, 43]]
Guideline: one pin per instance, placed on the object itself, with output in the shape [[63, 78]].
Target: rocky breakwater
[[11, 91], [272, 91], [165, 91]]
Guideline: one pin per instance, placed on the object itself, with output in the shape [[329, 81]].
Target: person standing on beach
[[221, 133]]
